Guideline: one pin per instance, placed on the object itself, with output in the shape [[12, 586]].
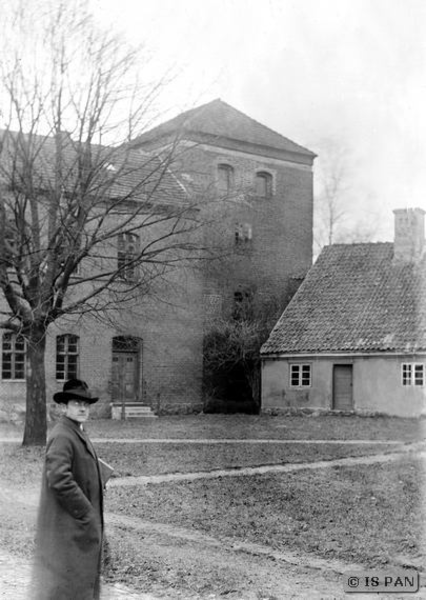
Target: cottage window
[[225, 178], [13, 356], [263, 184], [300, 375], [413, 374], [67, 356], [127, 253]]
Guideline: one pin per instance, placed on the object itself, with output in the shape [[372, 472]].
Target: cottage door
[[342, 387]]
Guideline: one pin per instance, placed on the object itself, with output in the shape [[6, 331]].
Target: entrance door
[[124, 377], [342, 387]]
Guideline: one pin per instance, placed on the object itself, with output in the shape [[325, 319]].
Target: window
[[263, 184], [13, 356], [67, 356], [225, 178], [127, 253], [122, 343], [413, 374], [300, 375], [243, 233]]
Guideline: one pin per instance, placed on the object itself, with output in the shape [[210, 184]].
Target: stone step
[[133, 410]]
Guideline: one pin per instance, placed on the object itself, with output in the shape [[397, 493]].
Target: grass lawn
[[373, 515], [253, 427], [264, 427]]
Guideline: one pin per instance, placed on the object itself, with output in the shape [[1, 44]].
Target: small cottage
[[353, 338]]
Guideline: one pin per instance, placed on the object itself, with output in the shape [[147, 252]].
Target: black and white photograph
[[212, 299]]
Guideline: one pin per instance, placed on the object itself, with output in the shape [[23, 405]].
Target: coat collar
[[80, 432]]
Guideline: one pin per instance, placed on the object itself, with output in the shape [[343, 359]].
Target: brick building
[[253, 188]]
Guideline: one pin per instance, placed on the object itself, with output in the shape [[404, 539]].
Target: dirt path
[[287, 468]]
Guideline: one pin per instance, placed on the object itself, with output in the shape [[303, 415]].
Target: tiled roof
[[355, 299], [116, 172], [218, 120]]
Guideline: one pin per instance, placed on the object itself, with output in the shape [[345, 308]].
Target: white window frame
[[67, 340], [298, 372], [9, 348], [413, 374]]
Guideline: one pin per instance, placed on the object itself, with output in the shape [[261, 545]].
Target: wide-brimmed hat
[[74, 389]]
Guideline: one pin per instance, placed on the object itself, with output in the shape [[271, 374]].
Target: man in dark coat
[[70, 521]]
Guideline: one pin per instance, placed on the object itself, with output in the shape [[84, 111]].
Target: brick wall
[[281, 226], [169, 323]]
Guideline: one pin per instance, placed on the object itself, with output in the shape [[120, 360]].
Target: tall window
[[13, 356], [225, 178], [413, 374], [127, 252], [67, 356], [300, 375], [263, 184]]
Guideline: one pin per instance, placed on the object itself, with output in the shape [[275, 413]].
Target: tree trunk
[[35, 417]]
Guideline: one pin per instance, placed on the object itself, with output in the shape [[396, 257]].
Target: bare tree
[[232, 350], [332, 188], [86, 227], [337, 217]]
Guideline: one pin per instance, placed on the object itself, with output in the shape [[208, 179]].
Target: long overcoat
[[70, 520]]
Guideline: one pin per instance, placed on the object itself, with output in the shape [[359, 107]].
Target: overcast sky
[[350, 70]]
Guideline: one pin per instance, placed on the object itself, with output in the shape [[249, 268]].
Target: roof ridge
[[185, 121]]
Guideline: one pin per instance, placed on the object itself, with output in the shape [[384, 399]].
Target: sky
[[321, 72]]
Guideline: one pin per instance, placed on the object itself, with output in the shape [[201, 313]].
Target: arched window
[[67, 356], [225, 178], [13, 356], [263, 184]]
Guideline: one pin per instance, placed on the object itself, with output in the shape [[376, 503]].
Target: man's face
[[77, 410]]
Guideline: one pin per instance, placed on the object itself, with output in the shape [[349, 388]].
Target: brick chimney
[[409, 239]]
